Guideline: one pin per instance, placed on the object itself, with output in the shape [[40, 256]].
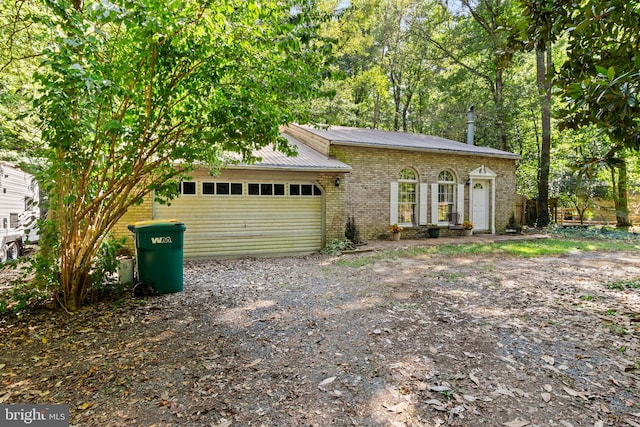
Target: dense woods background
[[417, 66]]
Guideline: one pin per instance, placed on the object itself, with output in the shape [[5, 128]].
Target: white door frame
[[485, 174]]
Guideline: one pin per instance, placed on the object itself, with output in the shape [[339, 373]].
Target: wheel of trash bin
[[142, 289]]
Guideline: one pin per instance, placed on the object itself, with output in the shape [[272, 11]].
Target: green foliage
[[615, 236], [513, 224], [20, 296], [134, 93], [337, 246], [21, 293], [22, 39], [351, 230], [618, 330], [599, 81], [623, 285], [578, 191], [103, 277]]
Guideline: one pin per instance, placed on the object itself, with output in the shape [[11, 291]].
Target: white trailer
[[19, 210]]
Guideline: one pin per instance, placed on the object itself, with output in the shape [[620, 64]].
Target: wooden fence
[[603, 213]]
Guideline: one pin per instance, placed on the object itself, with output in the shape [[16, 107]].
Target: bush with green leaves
[[337, 246], [351, 230]]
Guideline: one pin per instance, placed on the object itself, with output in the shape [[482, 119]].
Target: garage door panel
[[247, 225]]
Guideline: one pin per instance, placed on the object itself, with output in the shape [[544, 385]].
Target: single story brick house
[[282, 205]]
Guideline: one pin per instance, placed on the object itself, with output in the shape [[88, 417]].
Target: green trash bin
[[159, 252]]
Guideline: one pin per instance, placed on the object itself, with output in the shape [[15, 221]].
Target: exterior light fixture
[[337, 182]]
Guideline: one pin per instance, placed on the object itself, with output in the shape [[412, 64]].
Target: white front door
[[480, 208]]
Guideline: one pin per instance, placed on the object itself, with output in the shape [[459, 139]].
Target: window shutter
[[422, 207], [434, 203], [393, 212], [460, 202]]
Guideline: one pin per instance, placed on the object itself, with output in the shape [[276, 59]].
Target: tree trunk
[[405, 110], [622, 197], [498, 100], [397, 93], [76, 253], [543, 65], [376, 112]]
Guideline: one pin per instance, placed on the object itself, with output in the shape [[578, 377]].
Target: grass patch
[[618, 330], [624, 284], [520, 249], [594, 233]]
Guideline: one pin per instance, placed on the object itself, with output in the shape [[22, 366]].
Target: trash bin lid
[[156, 223]]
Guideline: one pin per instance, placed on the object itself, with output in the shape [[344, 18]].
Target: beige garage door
[[247, 218]]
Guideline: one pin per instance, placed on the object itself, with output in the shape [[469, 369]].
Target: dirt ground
[[361, 339]]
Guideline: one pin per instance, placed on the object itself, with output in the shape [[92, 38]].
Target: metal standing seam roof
[[342, 135], [307, 159]]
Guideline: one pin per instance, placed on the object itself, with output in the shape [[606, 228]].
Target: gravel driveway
[[362, 339]]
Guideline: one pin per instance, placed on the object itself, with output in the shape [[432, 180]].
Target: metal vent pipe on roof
[[470, 125]]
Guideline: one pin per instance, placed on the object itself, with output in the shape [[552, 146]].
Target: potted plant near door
[[433, 230], [396, 231], [512, 226], [468, 228]]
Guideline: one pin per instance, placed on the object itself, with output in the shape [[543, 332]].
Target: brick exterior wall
[[367, 187], [364, 193], [335, 219], [142, 212]]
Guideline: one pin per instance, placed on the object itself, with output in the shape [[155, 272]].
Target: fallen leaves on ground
[[425, 341]]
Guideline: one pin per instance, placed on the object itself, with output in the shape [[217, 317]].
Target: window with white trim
[[188, 187], [446, 195], [265, 189], [13, 220], [407, 196], [304, 190], [222, 188]]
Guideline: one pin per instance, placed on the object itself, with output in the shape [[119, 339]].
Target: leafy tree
[[134, 93], [613, 159], [22, 37], [600, 82], [538, 31], [579, 190], [601, 79], [478, 43], [362, 96]]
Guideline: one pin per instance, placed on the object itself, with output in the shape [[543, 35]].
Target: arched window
[[407, 189], [446, 194]]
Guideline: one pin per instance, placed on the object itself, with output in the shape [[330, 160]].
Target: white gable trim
[[482, 172]]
